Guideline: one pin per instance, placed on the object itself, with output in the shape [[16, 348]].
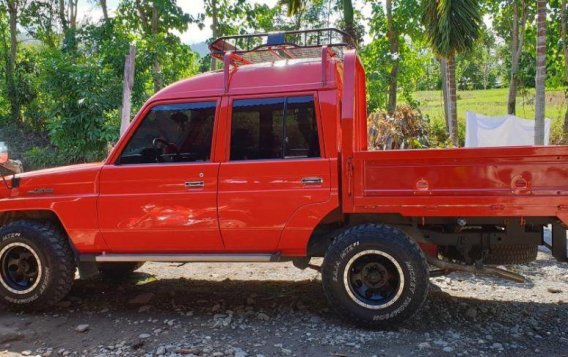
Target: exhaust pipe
[[484, 270]]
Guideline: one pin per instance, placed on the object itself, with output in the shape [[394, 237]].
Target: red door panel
[[160, 208], [257, 199]]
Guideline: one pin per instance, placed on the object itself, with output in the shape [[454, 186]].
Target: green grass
[[493, 102]]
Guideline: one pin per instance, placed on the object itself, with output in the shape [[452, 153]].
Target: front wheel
[[375, 275], [36, 264]]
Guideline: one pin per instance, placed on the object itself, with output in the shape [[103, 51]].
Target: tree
[[401, 18], [104, 7], [392, 35], [520, 16], [154, 20], [41, 22], [452, 27], [14, 9], [68, 17], [295, 6], [564, 39], [348, 18], [540, 72], [394, 58]]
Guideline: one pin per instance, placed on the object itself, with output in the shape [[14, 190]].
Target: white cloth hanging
[[508, 130]]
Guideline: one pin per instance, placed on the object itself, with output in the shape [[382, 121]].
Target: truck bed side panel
[[513, 181]]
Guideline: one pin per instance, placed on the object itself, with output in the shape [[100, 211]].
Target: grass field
[[494, 102]]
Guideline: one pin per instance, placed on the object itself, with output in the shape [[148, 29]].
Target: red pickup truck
[[266, 160]]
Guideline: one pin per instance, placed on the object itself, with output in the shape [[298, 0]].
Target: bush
[[43, 157], [85, 96], [406, 128]]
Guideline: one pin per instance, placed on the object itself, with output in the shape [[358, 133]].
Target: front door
[[274, 168], [161, 193]]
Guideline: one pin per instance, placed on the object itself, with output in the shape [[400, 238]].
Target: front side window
[[274, 128], [172, 133]]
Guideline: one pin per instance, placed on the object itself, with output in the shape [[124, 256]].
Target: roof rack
[[275, 46]]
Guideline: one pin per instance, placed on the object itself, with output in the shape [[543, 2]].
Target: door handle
[[194, 184], [312, 181]]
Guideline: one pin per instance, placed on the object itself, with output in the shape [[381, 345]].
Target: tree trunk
[[62, 16], [68, 18], [452, 101], [517, 42], [348, 19], [540, 73], [104, 7], [11, 63], [392, 36], [128, 83], [564, 38], [214, 28], [72, 13], [156, 67], [444, 75]]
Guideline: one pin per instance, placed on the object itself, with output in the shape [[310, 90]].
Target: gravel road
[[278, 310]]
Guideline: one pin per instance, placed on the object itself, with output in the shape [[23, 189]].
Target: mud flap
[[558, 244], [87, 267]]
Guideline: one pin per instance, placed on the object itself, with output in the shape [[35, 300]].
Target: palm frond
[[452, 26]]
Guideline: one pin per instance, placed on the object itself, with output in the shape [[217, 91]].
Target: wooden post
[[128, 83]]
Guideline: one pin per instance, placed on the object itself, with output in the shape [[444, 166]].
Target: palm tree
[[452, 27], [540, 72]]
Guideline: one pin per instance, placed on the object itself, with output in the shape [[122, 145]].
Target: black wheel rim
[[20, 268], [375, 280]]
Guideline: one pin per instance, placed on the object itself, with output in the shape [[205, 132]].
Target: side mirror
[[3, 153]]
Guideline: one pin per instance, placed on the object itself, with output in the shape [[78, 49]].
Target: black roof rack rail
[[274, 46]]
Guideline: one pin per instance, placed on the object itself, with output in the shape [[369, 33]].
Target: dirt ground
[[276, 309]]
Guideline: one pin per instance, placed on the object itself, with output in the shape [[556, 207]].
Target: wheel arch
[[38, 215], [335, 223]]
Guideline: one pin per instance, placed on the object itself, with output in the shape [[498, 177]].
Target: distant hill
[[201, 48]]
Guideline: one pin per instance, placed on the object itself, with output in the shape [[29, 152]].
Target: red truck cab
[[267, 160]]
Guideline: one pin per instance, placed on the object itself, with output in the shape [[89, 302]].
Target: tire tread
[[398, 238], [63, 259]]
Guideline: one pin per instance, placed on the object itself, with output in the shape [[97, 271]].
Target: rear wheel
[[118, 270], [375, 275], [36, 264]]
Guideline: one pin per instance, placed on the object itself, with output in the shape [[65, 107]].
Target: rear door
[[273, 168], [161, 193]]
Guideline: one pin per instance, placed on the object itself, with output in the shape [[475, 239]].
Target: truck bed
[[508, 181]]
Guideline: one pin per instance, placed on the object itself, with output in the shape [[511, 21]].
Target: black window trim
[[145, 111], [284, 96]]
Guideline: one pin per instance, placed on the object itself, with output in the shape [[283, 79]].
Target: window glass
[[172, 133], [257, 128], [274, 128], [301, 128]]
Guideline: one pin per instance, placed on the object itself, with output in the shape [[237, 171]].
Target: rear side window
[[172, 133], [274, 128]]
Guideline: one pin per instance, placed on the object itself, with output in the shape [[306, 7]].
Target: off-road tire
[[118, 271], [55, 261], [412, 291], [505, 254]]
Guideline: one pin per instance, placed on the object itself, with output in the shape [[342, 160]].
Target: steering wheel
[[168, 148], [166, 144]]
